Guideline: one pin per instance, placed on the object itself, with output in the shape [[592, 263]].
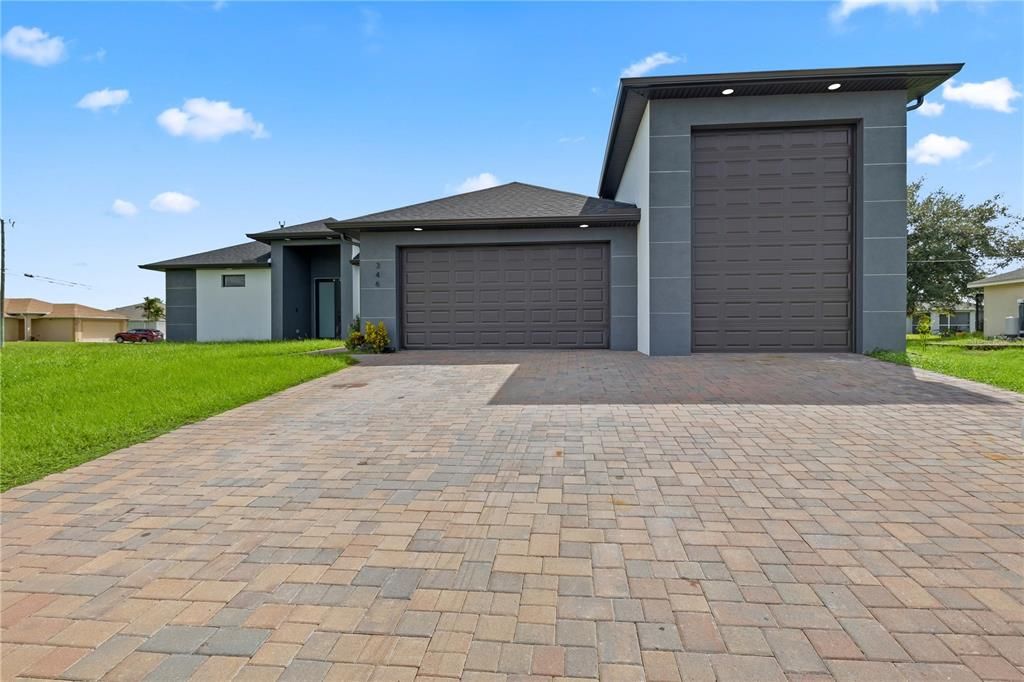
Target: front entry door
[[327, 309]]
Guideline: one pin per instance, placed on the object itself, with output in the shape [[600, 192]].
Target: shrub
[[924, 324], [377, 337], [355, 340], [355, 325]]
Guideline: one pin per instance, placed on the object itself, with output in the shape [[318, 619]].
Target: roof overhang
[[205, 266], [270, 237], [635, 93], [618, 219], [982, 284]]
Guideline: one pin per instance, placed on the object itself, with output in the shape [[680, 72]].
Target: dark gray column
[[347, 307], [277, 291]]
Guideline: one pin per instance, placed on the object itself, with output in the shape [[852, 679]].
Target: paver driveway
[[555, 514]]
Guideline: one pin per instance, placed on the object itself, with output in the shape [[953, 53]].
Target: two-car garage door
[[515, 296], [772, 239]]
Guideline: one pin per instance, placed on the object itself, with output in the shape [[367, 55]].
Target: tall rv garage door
[[531, 296], [772, 228]]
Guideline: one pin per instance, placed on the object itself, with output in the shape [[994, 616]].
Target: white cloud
[[371, 22], [847, 7], [571, 140], [476, 182], [101, 99], [933, 149], [995, 94], [219, 5], [173, 202], [99, 55], [931, 109], [124, 208], [981, 163], [204, 119], [33, 45], [648, 64]]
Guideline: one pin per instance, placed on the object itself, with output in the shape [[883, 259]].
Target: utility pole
[[3, 277]]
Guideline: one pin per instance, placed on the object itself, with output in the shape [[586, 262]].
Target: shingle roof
[[314, 228], [33, 306], [514, 204], [26, 306], [79, 310], [132, 312], [249, 254], [1002, 278]]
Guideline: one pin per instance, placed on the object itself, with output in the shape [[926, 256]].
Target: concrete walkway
[[494, 516]]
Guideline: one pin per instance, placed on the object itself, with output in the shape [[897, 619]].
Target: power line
[[59, 282]]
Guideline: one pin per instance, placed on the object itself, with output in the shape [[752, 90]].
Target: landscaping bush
[[374, 339], [377, 337]]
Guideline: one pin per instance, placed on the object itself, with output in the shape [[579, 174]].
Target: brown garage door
[[772, 239], [532, 296]]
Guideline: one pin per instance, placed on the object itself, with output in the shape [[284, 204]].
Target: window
[[232, 280], [957, 322]]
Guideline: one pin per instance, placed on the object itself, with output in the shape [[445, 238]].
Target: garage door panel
[[772, 239], [530, 296]]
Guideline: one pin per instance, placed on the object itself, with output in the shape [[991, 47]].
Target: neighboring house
[[29, 319], [1003, 300], [136, 315], [961, 318], [754, 212]]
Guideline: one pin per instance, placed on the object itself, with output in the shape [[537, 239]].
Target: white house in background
[[137, 318], [962, 318], [1003, 299]]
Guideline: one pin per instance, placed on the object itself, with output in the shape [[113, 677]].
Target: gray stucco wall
[[879, 119], [378, 283], [180, 305]]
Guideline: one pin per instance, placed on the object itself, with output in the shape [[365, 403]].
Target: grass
[[63, 404], [1003, 368]]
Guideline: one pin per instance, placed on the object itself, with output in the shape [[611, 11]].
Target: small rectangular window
[[232, 280]]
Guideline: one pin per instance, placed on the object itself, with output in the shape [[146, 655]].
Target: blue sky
[[241, 114]]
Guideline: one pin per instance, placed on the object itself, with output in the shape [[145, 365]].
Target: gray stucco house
[[750, 212]]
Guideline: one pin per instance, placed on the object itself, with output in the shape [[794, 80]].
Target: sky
[[139, 131]]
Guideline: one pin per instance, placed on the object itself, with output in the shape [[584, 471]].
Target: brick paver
[[545, 516]]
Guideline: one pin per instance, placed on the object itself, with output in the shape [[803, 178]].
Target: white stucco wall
[[233, 313], [1001, 303], [635, 189]]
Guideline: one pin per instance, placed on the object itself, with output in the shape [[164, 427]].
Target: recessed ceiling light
[[728, 91], [584, 226], [835, 86], [417, 229]]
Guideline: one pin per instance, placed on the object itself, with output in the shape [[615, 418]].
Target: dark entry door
[[772, 236], [524, 296], [327, 309]]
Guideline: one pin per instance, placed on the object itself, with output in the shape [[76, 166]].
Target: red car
[[139, 336]]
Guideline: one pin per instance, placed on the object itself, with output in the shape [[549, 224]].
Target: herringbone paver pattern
[[541, 516]]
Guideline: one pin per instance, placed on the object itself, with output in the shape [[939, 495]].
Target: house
[[29, 319], [290, 283], [753, 212], [136, 315], [1003, 297], [963, 317]]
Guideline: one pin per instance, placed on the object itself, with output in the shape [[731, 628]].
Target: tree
[[152, 308], [951, 243]]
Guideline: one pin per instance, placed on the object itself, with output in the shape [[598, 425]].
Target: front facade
[[749, 212], [29, 319], [1003, 297]]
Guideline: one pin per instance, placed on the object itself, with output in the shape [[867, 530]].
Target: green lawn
[[1003, 368], [67, 403]]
